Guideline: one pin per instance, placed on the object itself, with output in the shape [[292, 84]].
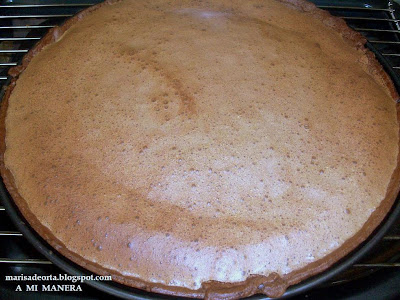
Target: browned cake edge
[[272, 285]]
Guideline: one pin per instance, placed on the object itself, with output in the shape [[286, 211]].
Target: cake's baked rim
[[272, 285]]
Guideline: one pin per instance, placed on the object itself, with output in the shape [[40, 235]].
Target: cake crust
[[273, 284]]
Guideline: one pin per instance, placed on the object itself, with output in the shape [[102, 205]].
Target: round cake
[[212, 149]]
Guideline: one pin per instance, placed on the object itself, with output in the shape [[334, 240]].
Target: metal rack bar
[[377, 265], [10, 233], [392, 238], [391, 7], [377, 30], [8, 64], [370, 19], [14, 51], [353, 8], [27, 27], [36, 16], [19, 39], [2, 208], [25, 261], [46, 5], [385, 42]]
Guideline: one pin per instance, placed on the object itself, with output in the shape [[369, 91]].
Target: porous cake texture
[[202, 148]]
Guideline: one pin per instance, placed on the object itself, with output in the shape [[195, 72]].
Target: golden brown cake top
[[188, 141]]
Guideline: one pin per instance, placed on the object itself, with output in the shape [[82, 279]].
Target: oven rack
[[24, 22]]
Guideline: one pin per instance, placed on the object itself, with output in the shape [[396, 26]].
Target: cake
[[208, 149]]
